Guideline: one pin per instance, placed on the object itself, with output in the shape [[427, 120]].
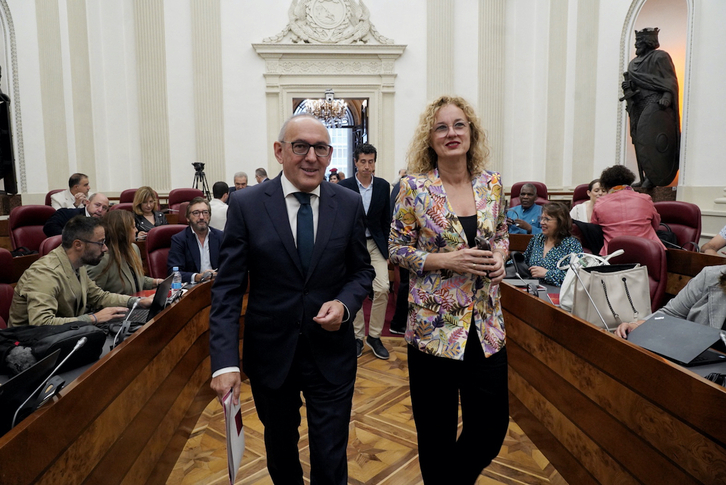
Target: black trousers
[[328, 409], [401, 314], [436, 384]]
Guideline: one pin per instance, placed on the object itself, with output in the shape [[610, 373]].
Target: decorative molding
[[492, 19], [14, 83], [329, 22], [439, 48]]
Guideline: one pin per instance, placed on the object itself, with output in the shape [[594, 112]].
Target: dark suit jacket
[[54, 225], [282, 300], [184, 252], [378, 218]]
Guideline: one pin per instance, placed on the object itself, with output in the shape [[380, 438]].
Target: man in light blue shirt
[[524, 218]]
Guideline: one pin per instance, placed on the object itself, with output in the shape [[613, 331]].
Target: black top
[[142, 224], [469, 225]]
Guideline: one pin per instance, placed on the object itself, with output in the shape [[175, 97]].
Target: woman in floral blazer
[[455, 328]]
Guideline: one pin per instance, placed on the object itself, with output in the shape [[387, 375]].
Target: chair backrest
[[126, 206], [49, 244], [6, 289], [26, 225], [47, 196], [158, 243], [182, 214], [177, 196], [578, 234], [127, 196], [684, 219], [542, 197], [579, 195], [648, 253]]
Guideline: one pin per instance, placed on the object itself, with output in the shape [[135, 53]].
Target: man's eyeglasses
[[199, 213], [460, 127], [100, 243], [302, 148]]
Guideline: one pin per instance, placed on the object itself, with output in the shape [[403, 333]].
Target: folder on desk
[[235, 435]]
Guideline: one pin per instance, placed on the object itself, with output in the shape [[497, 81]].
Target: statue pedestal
[[659, 194], [9, 202]]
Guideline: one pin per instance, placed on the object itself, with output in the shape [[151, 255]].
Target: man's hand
[[330, 315], [110, 313], [210, 274], [523, 224], [224, 382], [81, 199], [146, 302]]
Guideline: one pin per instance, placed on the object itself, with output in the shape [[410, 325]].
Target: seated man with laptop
[[56, 289]]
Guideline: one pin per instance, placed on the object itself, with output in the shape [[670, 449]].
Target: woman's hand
[[537, 271], [497, 272], [141, 235], [625, 328], [463, 261]]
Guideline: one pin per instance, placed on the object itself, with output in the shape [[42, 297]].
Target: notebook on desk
[[679, 340]]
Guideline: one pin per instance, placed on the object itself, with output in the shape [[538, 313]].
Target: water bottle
[[176, 282]]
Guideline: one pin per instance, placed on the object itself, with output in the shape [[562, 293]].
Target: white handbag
[[572, 262]]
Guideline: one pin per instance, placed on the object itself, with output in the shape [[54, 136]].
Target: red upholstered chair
[[684, 219], [579, 195], [127, 196], [182, 215], [158, 243], [126, 206], [26, 225], [542, 197], [648, 253], [49, 244], [47, 196], [6, 289], [177, 196]]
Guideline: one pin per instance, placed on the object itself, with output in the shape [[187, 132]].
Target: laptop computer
[[143, 315], [20, 387], [679, 340]]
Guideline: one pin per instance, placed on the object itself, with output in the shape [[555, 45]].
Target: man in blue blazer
[[375, 193], [195, 250], [302, 245]]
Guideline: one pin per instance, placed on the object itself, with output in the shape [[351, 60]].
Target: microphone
[[81, 342], [530, 290], [125, 325]]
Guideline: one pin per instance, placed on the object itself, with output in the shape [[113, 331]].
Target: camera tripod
[[201, 179]]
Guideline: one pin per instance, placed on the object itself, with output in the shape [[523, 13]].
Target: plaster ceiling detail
[[329, 22]]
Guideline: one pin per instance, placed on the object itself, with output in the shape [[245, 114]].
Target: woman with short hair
[[146, 207]]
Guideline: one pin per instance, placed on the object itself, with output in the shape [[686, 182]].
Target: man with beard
[[195, 250], [56, 289]]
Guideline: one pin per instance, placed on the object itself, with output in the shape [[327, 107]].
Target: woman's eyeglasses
[[546, 219], [460, 127]]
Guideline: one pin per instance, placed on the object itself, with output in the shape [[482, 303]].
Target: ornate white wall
[[133, 91]]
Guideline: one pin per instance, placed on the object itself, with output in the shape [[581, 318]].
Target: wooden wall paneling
[[562, 459], [640, 385], [606, 446], [96, 408]]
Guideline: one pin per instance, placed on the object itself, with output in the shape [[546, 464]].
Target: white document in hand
[[235, 435]]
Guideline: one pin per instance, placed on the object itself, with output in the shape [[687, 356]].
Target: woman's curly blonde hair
[[421, 158]]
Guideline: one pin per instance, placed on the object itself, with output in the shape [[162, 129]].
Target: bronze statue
[[650, 89]]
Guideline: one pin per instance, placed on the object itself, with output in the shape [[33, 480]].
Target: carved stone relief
[[329, 22]]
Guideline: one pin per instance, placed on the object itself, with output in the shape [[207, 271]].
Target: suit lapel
[[327, 210], [276, 208], [77, 289], [193, 246]]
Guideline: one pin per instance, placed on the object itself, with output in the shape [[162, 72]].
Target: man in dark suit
[[97, 207], [302, 245], [375, 194], [195, 250]]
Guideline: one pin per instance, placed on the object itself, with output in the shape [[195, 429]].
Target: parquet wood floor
[[382, 443]]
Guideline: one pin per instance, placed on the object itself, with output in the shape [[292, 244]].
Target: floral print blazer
[[442, 303]]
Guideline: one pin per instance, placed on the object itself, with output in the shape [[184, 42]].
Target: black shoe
[[358, 347], [397, 330], [377, 346]]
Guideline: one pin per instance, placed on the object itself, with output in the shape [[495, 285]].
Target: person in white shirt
[[218, 205], [77, 194]]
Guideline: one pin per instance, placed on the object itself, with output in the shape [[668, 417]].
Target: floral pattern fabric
[[533, 256], [442, 303]]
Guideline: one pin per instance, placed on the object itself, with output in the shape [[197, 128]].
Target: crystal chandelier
[[330, 111]]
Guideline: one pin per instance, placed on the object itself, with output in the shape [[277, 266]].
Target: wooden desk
[[127, 418], [605, 411]]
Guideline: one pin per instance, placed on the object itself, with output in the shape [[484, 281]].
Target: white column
[[439, 47], [491, 77]]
